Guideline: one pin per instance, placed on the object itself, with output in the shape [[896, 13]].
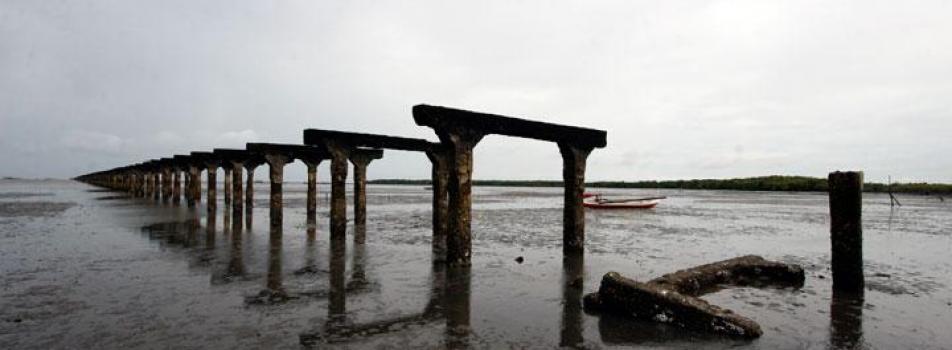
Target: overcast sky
[[685, 89]]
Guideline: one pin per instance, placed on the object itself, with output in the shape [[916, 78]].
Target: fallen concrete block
[[673, 298]]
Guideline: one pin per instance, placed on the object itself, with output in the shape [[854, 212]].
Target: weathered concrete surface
[[461, 130], [361, 158], [194, 185], [673, 298], [439, 159], [653, 302], [237, 198], [276, 163], [459, 211], [176, 185], [212, 183], [573, 218], [311, 189], [250, 164], [748, 270], [227, 183], [846, 230], [338, 220]]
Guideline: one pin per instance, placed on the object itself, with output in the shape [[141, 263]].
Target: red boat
[[596, 201]]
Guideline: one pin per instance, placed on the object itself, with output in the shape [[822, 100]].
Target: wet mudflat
[[83, 268]]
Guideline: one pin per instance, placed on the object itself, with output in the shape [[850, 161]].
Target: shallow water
[[85, 268]]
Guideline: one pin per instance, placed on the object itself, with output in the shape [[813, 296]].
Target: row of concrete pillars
[[452, 166]]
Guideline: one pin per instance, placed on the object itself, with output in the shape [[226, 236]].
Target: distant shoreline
[[763, 183]]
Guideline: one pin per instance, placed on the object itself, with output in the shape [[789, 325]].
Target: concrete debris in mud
[[673, 298]]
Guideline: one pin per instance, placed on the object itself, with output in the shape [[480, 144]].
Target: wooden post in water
[[846, 230]]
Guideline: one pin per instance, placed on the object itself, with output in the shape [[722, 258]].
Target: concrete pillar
[[227, 185], [360, 162], [250, 185], [156, 186], [166, 184], [237, 197], [276, 164], [176, 186], [440, 179], [339, 155], [194, 185], [846, 230], [459, 236], [212, 191], [311, 190], [573, 177], [250, 193]]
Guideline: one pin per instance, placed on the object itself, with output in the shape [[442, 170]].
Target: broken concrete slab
[[673, 298]]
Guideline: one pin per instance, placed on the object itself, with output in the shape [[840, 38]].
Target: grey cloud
[[803, 87]]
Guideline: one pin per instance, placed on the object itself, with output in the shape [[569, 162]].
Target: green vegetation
[[763, 183]]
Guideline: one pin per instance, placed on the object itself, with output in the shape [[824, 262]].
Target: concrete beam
[[461, 130]]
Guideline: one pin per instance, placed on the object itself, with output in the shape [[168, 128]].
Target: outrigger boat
[[597, 201]]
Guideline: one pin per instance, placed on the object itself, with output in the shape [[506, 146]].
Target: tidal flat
[[82, 267]]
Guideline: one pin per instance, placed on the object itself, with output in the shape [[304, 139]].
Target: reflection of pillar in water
[[236, 265], [236, 227], [846, 320], [457, 307], [358, 277], [310, 260], [434, 307], [274, 259], [192, 226], [573, 275], [337, 302], [226, 222], [210, 223]]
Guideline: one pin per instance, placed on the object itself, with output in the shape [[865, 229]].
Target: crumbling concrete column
[[227, 185], [276, 164], [339, 154], [440, 174], [176, 186], [250, 167], [166, 184], [573, 177], [212, 191], [236, 205], [459, 235], [156, 186], [194, 185], [311, 189], [360, 162], [846, 230]]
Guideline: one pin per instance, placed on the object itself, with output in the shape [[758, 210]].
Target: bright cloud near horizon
[[686, 89]]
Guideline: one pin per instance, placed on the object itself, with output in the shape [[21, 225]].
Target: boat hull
[[627, 205]]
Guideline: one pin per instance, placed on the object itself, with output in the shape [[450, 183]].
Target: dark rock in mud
[[673, 298]]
